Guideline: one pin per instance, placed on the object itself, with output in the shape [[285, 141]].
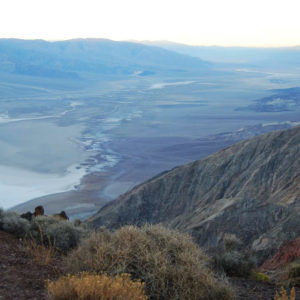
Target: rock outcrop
[[251, 189]]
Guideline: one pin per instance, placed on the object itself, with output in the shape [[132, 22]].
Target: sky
[[257, 23]]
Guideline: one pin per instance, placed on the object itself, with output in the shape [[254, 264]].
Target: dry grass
[[96, 287], [42, 252], [284, 296], [169, 263]]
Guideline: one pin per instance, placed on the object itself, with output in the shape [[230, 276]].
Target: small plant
[[39, 251], [231, 242], [282, 295], [260, 276], [96, 287]]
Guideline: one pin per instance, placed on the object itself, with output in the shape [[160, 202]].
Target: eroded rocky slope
[[251, 189]]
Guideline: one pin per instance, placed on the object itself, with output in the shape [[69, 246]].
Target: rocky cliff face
[[251, 189]]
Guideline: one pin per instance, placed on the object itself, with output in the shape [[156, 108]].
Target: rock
[[27, 216], [62, 215]]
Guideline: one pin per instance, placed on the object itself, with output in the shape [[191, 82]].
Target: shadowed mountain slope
[[251, 189]]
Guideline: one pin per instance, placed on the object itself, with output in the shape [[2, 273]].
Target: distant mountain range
[[79, 57], [266, 57], [251, 190], [281, 100]]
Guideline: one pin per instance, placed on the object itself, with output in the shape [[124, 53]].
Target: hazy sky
[[197, 22]]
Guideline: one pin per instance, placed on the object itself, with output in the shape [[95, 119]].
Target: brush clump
[[169, 263], [86, 286]]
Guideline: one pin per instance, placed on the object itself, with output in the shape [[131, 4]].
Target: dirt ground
[[20, 276], [254, 290]]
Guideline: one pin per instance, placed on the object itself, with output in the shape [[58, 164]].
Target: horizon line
[[154, 42]]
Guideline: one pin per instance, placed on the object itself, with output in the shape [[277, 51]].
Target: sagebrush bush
[[12, 223], [234, 263], [169, 263], [260, 276], [231, 259], [63, 235], [96, 287], [231, 242], [283, 295]]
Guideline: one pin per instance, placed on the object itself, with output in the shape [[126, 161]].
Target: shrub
[[260, 276], [12, 223], [294, 272], [294, 275], [284, 296], [231, 259], [96, 287], [231, 242], [63, 235], [234, 263], [169, 263], [39, 251]]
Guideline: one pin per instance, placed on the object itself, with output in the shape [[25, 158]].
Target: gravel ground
[[21, 277]]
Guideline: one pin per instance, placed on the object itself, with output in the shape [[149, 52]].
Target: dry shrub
[[234, 263], [63, 234], [231, 259], [284, 296], [96, 287], [169, 263], [12, 223], [41, 253]]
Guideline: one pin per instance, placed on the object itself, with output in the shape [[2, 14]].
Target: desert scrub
[[168, 262], [283, 295], [294, 276], [96, 287], [260, 276], [46, 230], [64, 235], [231, 259], [234, 263], [12, 223], [42, 252]]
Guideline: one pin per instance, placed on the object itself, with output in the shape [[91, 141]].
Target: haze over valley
[[83, 121]]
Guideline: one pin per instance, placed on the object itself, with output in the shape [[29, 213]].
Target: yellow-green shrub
[[96, 287], [260, 276]]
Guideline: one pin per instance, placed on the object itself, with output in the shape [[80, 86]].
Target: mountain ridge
[[74, 58], [250, 189]]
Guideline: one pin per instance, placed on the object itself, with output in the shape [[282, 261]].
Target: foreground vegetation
[[168, 262], [151, 262], [97, 287], [46, 230]]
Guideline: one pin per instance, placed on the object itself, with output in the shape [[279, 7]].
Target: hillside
[[250, 189]]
